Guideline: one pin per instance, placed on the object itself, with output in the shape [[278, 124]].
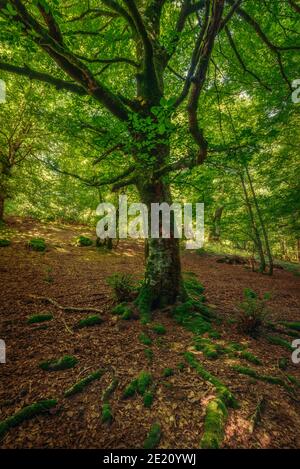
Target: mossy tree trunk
[[163, 282]]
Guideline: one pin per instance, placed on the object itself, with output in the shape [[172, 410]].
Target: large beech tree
[[147, 64]]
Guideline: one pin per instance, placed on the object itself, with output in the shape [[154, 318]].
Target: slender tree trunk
[[163, 282], [262, 223], [215, 231], [257, 237]]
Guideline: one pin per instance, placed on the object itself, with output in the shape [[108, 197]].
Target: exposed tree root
[[45, 299]]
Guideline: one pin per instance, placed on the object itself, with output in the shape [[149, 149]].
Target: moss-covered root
[[106, 416], [89, 321], [138, 385], [80, 385], [222, 391], [63, 363], [153, 437], [37, 318], [26, 413], [215, 419], [245, 370], [107, 393], [275, 340]]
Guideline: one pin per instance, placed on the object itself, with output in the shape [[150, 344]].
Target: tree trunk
[[163, 282], [215, 230], [262, 223], [256, 234]]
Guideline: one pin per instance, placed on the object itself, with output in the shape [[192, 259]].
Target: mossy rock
[[81, 385], [89, 321], [38, 318], [84, 241], [63, 363], [4, 243], [26, 413], [106, 415], [153, 437], [215, 419], [37, 244]]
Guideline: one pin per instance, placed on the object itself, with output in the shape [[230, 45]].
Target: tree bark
[[163, 282], [215, 230]]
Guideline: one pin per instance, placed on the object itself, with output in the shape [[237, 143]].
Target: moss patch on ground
[[37, 244], [63, 363], [153, 437], [106, 414], [37, 318], [26, 413], [4, 243], [89, 321], [80, 385]]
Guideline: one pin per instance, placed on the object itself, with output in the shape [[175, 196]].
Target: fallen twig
[[66, 308]]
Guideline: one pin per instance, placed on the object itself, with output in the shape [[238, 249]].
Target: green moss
[[193, 288], [181, 366], [250, 357], [291, 325], [37, 318], [143, 382], [283, 363], [144, 303], [130, 389], [110, 389], [275, 340], [26, 413], [214, 335], [63, 363], [80, 385], [236, 347], [222, 391], [210, 350], [84, 241], [187, 314], [148, 398], [106, 415], [4, 243], [123, 310], [89, 321], [159, 329], [215, 418], [148, 354], [153, 437], [293, 380], [168, 372], [244, 370], [145, 339], [37, 244]]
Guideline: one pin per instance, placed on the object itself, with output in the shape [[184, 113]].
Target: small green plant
[[145, 339], [26, 413], [89, 321], [63, 363], [168, 372], [37, 244], [4, 243], [106, 416], [80, 385], [158, 329], [253, 313], [153, 437], [123, 286], [84, 241], [37, 318]]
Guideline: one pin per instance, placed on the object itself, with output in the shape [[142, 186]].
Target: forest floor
[[76, 276]]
